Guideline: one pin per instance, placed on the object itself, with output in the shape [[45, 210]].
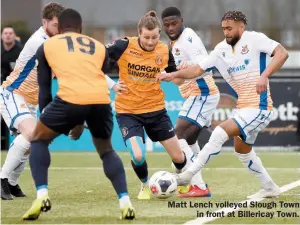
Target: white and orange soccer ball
[[163, 184]]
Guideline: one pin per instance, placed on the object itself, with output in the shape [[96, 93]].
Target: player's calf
[[39, 163], [13, 161], [114, 170], [18, 148], [139, 164], [254, 164]]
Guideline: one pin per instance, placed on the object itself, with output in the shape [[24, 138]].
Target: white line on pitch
[[204, 220], [165, 168], [159, 153]]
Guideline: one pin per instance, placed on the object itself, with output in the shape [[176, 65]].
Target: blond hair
[[150, 21]]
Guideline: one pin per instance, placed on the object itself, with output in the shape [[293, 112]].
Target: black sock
[[39, 160], [114, 170], [141, 171], [179, 166]]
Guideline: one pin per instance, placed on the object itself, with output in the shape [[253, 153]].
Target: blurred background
[[108, 20]]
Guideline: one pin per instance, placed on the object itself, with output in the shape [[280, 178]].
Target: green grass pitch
[[81, 194]]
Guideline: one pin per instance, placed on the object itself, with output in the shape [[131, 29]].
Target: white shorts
[[199, 109], [251, 121], [14, 109]]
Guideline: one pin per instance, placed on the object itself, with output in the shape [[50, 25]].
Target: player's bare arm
[[178, 81], [188, 73], [280, 55], [182, 65]]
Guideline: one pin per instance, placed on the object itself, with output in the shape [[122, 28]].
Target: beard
[[49, 33], [233, 40]]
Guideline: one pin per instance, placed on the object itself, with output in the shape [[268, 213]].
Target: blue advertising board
[[281, 131], [63, 143]]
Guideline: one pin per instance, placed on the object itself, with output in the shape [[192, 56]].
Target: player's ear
[[241, 25], [44, 21]]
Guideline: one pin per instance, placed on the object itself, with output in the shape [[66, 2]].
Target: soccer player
[[19, 100], [241, 60], [141, 108], [202, 95], [82, 96]]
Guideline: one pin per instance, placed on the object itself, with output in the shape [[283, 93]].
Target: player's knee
[[26, 128], [137, 150], [138, 159], [191, 140], [179, 131], [218, 136], [241, 147], [103, 152]]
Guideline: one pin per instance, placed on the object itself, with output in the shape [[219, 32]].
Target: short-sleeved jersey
[[77, 61], [23, 79], [138, 68], [189, 48], [242, 66]]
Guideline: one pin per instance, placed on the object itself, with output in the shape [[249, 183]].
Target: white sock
[[190, 157], [255, 166], [42, 192], [124, 200], [13, 177], [195, 148], [212, 148], [188, 153], [14, 156]]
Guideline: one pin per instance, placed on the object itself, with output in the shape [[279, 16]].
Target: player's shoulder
[[222, 46], [33, 43], [252, 35], [188, 32], [122, 42], [37, 38], [189, 35]]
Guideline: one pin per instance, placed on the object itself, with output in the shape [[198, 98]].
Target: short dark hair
[[170, 11], [69, 19], [51, 10], [235, 15], [7, 26]]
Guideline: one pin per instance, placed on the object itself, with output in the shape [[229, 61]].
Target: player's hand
[[165, 77], [262, 84], [183, 65], [120, 87], [76, 132]]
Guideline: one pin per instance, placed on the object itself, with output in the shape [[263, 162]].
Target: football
[[163, 184]]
